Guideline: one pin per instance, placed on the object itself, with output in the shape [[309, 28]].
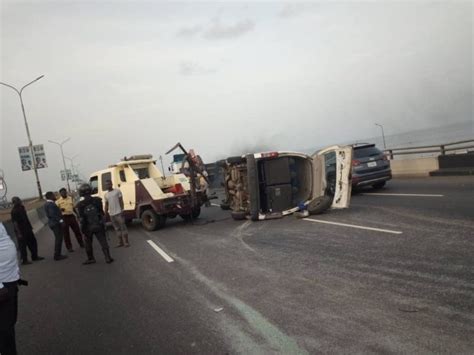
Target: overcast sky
[[128, 77]]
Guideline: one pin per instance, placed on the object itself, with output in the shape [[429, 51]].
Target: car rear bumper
[[372, 178]]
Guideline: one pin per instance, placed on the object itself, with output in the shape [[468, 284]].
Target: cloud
[[192, 68], [294, 10], [222, 31], [189, 31]]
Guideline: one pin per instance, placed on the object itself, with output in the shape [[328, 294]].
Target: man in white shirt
[[114, 208], [9, 277]]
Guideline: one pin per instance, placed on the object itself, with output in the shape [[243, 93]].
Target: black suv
[[370, 166]]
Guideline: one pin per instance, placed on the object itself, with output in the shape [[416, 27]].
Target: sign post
[[30, 161]]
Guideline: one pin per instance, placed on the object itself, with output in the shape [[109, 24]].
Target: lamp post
[[60, 144], [383, 136], [30, 142], [73, 169]]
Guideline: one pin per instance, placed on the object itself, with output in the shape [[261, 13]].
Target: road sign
[[26, 157], [63, 174]]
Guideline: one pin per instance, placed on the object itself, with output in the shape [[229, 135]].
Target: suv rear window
[[366, 152]]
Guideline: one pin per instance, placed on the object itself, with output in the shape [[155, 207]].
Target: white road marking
[[387, 194], [215, 204], [353, 226], [160, 251]]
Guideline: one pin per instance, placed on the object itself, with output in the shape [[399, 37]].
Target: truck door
[[332, 174]]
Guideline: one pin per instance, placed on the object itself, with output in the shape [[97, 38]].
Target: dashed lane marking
[[406, 195], [160, 251]]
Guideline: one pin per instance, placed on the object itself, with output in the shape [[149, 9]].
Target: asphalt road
[[397, 277]]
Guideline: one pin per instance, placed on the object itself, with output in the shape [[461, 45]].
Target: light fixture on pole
[[30, 142], [60, 144], [383, 136]]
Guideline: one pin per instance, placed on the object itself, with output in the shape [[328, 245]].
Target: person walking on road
[[92, 219], [55, 221], [114, 208], [24, 232], [9, 277], [66, 205]]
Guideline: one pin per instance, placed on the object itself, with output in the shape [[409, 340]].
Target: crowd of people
[[63, 215]]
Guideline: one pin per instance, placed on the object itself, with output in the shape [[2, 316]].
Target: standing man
[[24, 232], [114, 208], [9, 277], [204, 187], [92, 218], [66, 205], [55, 221]]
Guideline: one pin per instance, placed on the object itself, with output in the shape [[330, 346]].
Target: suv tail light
[[355, 162]]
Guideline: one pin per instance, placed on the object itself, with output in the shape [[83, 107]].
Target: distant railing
[[440, 149]]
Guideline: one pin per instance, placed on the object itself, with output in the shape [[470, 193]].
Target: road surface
[[394, 273]]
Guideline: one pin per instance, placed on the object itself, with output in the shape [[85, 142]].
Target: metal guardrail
[[441, 149]]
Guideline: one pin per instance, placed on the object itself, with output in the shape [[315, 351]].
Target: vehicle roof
[[123, 163], [280, 153], [137, 161]]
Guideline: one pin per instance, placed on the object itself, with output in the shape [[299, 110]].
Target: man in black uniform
[[92, 219], [24, 232]]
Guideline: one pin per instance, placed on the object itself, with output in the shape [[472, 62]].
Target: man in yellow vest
[[66, 205]]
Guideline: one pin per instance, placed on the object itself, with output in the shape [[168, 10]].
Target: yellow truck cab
[[147, 193]]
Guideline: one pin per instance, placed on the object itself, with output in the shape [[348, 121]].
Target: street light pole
[[383, 136], [30, 142], [73, 169], [64, 161]]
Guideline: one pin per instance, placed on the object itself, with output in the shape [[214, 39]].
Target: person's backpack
[[93, 218]]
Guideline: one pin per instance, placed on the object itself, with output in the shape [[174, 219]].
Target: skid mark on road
[[353, 226], [278, 341], [239, 233]]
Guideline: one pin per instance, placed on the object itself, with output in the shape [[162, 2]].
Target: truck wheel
[[161, 221], [196, 212], [152, 221], [319, 204]]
